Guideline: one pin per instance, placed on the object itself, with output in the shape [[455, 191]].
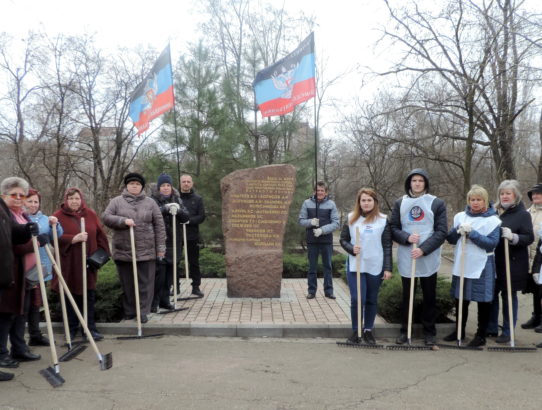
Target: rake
[[106, 360], [186, 267], [136, 289], [460, 303], [52, 373], [359, 304], [512, 348], [409, 345], [73, 350], [173, 211]]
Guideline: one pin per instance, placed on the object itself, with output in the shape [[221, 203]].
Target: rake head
[[72, 352], [106, 361], [459, 347], [360, 345], [412, 347], [139, 336], [52, 376], [510, 349]]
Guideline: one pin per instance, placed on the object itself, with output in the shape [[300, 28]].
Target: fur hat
[[134, 176]]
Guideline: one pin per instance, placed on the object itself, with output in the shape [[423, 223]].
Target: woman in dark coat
[[481, 226], [517, 228], [69, 215], [169, 202]]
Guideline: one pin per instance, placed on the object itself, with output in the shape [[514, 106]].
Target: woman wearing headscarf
[[517, 229], [72, 210], [133, 209], [481, 226], [376, 259], [170, 203], [32, 205]]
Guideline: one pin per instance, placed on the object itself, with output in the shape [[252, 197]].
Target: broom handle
[[61, 290], [74, 306], [411, 297], [509, 292], [136, 283], [461, 283], [174, 261], [54, 356], [84, 253], [358, 284], [185, 254]]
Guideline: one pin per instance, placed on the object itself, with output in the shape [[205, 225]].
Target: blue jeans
[[370, 285], [326, 251], [494, 315]]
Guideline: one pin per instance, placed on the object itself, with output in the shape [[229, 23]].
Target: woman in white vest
[[481, 226], [376, 260], [419, 225]]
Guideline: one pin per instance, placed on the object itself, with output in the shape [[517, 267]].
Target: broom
[[409, 345], [136, 289], [173, 211], [359, 304], [512, 347], [73, 350], [106, 360], [52, 373], [460, 301]]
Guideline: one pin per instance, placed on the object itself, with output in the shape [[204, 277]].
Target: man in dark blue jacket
[[320, 217]]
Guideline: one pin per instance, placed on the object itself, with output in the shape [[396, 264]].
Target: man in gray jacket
[[320, 218]]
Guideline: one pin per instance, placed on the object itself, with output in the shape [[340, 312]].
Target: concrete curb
[[286, 330]]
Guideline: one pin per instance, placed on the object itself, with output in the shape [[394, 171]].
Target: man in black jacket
[[419, 218], [194, 204]]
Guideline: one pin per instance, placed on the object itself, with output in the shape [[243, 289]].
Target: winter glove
[[507, 234], [464, 228], [43, 239], [315, 222], [317, 232], [173, 208], [32, 228]]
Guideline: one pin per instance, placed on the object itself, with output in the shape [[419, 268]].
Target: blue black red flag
[[288, 82], [154, 96]]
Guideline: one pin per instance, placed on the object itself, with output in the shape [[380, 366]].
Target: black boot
[[533, 322]]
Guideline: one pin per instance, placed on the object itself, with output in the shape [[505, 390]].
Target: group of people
[[418, 224], [150, 218]]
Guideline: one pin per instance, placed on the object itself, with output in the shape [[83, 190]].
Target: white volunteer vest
[[475, 257], [417, 217], [372, 254]]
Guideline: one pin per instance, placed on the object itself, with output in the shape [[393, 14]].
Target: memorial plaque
[[255, 205]]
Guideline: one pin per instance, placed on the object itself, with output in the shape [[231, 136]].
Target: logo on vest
[[416, 214]]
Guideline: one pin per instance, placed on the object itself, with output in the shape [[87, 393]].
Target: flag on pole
[[154, 96], [288, 82]]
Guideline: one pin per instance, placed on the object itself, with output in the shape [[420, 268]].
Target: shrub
[[212, 264], [391, 296]]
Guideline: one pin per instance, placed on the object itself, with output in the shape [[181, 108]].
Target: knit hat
[[134, 176], [535, 189], [164, 179]]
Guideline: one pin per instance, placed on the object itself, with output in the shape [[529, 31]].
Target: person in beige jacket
[[535, 195], [134, 209]]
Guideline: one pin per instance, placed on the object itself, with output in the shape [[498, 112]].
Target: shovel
[[51, 374], [106, 360], [173, 211], [512, 347], [136, 289], [185, 243], [73, 350]]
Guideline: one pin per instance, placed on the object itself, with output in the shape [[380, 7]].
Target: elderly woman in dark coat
[[517, 228], [134, 209], [481, 226], [15, 298], [69, 215]]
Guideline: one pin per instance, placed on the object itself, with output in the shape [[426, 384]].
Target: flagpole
[[315, 145], [175, 120]]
